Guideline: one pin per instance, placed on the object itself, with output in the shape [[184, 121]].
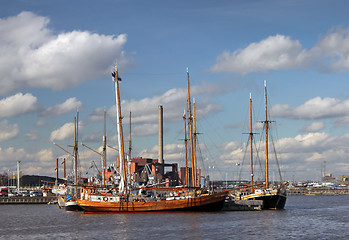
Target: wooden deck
[[242, 205]]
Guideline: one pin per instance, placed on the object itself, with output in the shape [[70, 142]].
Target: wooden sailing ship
[[125, 199], [272, 197]]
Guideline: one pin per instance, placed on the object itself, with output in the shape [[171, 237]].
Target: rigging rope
[[243, 160], [276, 158]]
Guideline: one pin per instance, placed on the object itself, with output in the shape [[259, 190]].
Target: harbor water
[[304, 217]]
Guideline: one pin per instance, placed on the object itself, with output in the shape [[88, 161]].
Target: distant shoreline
[[318, 191]]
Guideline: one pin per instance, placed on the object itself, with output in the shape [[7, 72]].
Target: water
[[305, 217]]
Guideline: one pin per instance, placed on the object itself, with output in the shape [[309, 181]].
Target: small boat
[[71, 204], [122, 199], [61, 201], [68, 203]]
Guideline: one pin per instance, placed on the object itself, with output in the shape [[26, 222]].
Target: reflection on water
[[305, 217]]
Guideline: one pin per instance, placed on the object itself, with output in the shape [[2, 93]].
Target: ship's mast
[[266, 125], [76, 130], [251, 133], [74, 154], [251, 140], [130, 142], [104, 148], [123, 185], [57, 175], [63, 168], [194, 136], [186, 149], [190, 119]]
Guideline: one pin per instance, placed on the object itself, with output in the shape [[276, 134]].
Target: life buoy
[[105, 199]]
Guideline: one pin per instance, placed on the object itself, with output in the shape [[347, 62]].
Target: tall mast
[[18, 182], [76, 130], [104, 147], [251, 140], [194, 147], [56, 183], [186, 149], [123, 185], [129, 155], [63, 168], [266, 125], [190, 119], [130, 142]]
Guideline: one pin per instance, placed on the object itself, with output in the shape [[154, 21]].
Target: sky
[[56, 58]]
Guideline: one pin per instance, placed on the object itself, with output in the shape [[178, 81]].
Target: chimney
[[161, 141]]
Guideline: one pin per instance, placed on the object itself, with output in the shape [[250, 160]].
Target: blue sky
[[56, 57]]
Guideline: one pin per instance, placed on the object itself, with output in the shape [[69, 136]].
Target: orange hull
[[205, 202]]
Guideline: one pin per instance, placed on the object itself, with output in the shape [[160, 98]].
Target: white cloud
[[64, 132], [98, 114], [172, 152], [8, 131], [311, 141], [301, 156], [275, 52], [280, 52], [344, 121], [17, 105], [204, 107], [316, 108], [32, 135], [173, 102], [334, 48], [71, 104], [12, 154], [94, 137], [38, 163], [45, 155], [147, 129], [40, 122], [14, 28], [146, 110], [9, 157], [314, 127], [32, 56], [315, 157]]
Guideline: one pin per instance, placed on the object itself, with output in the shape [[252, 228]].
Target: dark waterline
[[304, 217]]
